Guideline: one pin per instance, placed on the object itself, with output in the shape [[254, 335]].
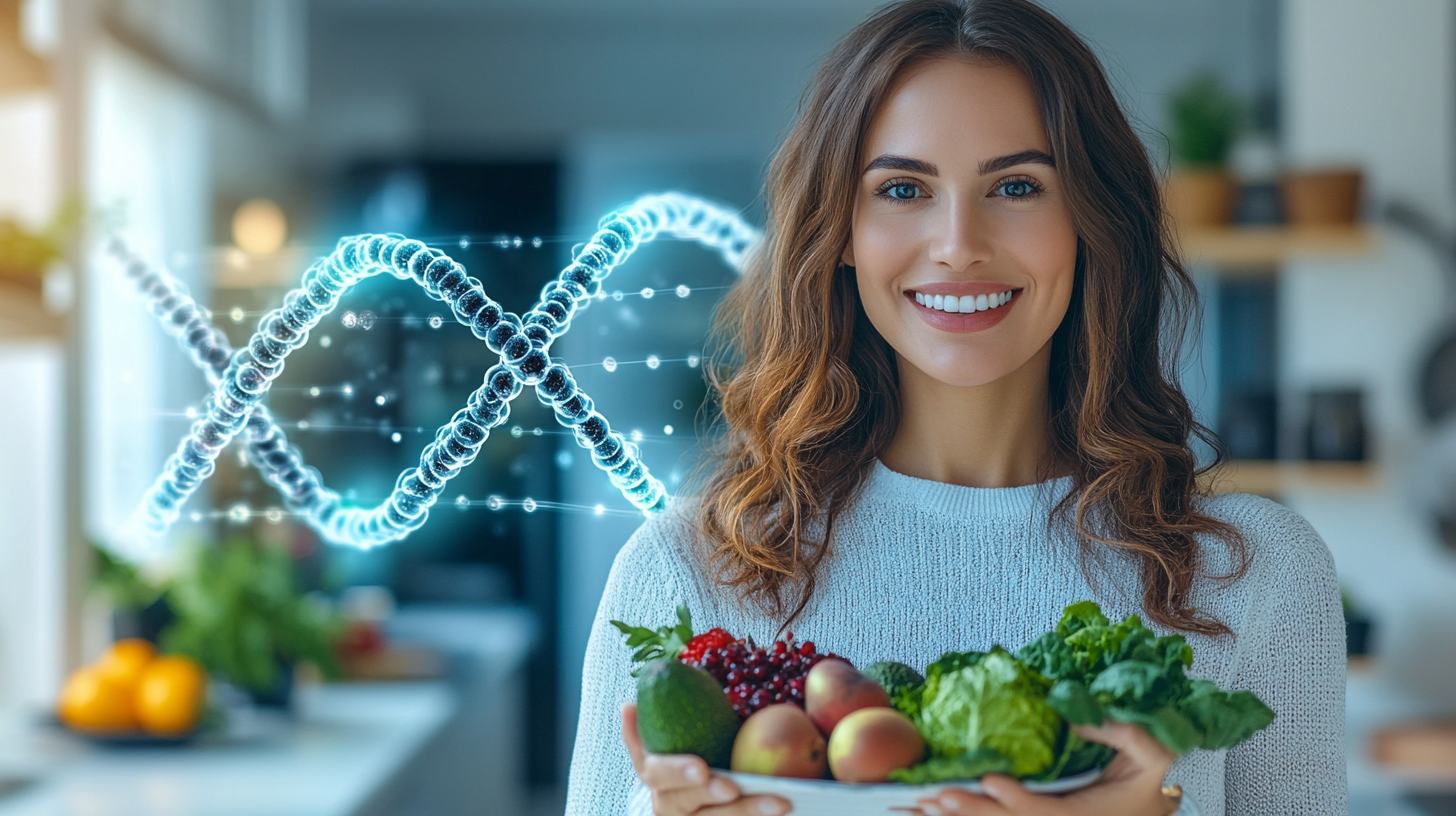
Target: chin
[[963, 374]]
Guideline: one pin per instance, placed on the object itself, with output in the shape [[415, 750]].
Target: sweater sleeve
[[640, 590], [1291, 653]]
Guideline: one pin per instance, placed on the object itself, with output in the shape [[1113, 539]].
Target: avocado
[[893, 676], [681, 709]]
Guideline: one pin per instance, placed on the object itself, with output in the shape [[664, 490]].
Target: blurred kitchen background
[[1310, 147]]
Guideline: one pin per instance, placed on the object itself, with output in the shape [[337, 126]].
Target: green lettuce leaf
[[997, 703], [973, 765]]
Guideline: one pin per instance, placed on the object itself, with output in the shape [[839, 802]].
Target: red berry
[[700, 645]]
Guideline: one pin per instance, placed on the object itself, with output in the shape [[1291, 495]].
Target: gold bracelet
[[1174, 792]]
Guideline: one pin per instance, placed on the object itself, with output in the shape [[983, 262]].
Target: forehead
[[957, 112]]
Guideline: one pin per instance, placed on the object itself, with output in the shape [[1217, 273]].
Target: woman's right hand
[[681, 784]]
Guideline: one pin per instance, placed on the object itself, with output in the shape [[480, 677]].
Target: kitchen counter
[[342, 755]]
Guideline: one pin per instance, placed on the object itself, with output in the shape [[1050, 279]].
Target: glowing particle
[[564, 459], [347, 390], [435, 321], [529, 505], [195, 516], [683, 291], [274, 515], [693, 361], [503, 241], [537, 242], [617, 295], [396, 437], [667, 430], [517, 431], [602, 295], [599, 509], [636, 436], [464, 242], [653, 362], [350, 320], [647, 292], [495, 502], [303, 424], [677, 404], [238, 513], [237, 314], [191, 412], [610, 364], [380, 400], [536, 432], [516, 242], [462, 502], [326, 341], [242, 379], [314, 391]]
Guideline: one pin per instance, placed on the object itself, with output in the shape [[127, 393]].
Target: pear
[[834, 689], [780, 740], [871, 742]]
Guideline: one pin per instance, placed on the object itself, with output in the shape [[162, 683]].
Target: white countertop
[[337, 758]]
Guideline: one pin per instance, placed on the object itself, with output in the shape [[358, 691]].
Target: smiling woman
[[950, 409]]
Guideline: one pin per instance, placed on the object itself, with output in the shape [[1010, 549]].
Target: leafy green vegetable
[[971, 765], [998, 703], [665, 641], [989, 711]]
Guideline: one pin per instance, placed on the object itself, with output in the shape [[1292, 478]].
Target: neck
[[992, 435]]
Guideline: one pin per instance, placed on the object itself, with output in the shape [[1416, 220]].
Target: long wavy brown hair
[[809, 390]]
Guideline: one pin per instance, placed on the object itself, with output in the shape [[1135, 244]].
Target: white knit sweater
[[919, 567]]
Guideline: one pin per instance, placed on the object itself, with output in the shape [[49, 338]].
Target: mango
[[834, 689], [780, 740], [870, 743]]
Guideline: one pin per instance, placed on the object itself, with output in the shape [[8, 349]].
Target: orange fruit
[[170, 695], [126, 659], [94, 701]]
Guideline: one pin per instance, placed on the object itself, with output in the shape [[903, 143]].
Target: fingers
[[1011, 794], [671, 772], [957, 802], [1129, 740], [749, 806], [692, 798], [632, 738]]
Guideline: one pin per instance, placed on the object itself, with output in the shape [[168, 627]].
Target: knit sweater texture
[[917, 568]]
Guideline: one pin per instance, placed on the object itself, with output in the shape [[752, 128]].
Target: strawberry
[[702, 644]]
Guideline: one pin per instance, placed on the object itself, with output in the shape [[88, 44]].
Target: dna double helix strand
[[241, 378]]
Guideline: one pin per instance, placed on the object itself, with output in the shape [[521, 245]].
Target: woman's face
[[961, 242]]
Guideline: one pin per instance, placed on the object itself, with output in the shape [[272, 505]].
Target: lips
[[963, 307]]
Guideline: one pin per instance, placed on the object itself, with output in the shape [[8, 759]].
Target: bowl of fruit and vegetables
[[787, 720]]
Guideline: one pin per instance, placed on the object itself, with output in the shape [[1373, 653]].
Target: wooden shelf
[[1247, 248], [1275, 478]]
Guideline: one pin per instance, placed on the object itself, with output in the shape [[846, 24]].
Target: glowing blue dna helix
[[242, 378]]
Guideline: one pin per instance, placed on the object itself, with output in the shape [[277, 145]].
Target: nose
[[960, 239]]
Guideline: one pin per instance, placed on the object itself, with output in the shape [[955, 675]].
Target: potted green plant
[[1205, 120], [239, 612]]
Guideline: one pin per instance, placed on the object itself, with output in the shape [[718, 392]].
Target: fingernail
[[769, 807], [930, 810], [948, 802], [694, 773], [720, 790]]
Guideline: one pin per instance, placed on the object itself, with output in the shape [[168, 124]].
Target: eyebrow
[[909, 165]]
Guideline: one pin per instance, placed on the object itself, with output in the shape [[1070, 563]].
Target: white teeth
[[965, 304]]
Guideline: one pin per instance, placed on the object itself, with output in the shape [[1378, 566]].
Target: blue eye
[[1019, 188], [904, 192]]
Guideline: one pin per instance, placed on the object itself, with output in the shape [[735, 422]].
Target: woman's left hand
[[1131, 786]]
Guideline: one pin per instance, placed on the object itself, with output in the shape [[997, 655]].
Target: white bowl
[[821, 797]]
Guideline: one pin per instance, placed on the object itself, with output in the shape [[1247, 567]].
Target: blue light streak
[[242, 378]]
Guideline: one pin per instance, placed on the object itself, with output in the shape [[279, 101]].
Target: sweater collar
[[963, 502]]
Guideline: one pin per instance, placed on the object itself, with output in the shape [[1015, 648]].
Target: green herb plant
[[239, 612], [1205, 120]]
